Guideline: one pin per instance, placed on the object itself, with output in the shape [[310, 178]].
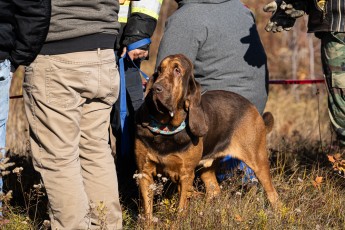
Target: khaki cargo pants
[[68, 99], [333, 63]]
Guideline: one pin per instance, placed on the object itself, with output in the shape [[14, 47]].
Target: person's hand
[[296, 9], [136, 53], [284, 15]]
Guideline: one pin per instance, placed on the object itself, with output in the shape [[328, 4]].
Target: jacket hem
[[79, 44]]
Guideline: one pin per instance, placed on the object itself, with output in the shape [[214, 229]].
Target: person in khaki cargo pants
[[69, 91]]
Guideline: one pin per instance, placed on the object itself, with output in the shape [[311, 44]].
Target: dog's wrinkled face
[[173, 95], [169, 88]]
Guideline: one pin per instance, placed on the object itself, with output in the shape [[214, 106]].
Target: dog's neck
[[164, 129]]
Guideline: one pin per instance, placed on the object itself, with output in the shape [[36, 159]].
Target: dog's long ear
[[142, 116], [196, 119]]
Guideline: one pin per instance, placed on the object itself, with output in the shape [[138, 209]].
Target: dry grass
[[299, 144], [306, 206], [300, 113]]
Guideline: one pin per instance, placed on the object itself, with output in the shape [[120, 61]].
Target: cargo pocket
[[338, 80]]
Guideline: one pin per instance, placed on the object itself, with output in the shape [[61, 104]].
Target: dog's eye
[[177, 70]]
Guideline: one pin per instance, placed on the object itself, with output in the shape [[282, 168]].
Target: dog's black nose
[[157, 88]]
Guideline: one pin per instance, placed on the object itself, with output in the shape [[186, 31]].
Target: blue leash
[[123, 96]]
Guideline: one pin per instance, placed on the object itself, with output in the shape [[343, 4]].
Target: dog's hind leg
[[264, 177], [262, 172], [208, 176], [257, 160]]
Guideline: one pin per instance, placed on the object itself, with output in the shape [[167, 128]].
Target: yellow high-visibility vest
[[148, 7]]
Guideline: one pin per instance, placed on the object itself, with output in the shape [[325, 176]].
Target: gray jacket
[[221, 39]]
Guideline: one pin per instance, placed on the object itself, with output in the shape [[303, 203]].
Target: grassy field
[[299, 145]]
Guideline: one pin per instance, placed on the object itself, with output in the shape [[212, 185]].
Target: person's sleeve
[[181, 36], [142, 21], [6, 29], [32, 23]]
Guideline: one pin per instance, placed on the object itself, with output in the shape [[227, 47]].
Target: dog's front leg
[[147, 194], [185, 189], [147, 168]]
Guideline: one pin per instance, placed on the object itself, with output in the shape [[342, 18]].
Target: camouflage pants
[[333, 63]]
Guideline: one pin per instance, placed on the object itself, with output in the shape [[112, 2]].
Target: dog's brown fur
[[219, 123]]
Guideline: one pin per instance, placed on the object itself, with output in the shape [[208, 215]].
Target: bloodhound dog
[[178, 130]]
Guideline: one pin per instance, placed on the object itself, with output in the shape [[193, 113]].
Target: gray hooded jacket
[[221, 39]]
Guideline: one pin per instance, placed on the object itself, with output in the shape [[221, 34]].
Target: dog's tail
[[269, 121]]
